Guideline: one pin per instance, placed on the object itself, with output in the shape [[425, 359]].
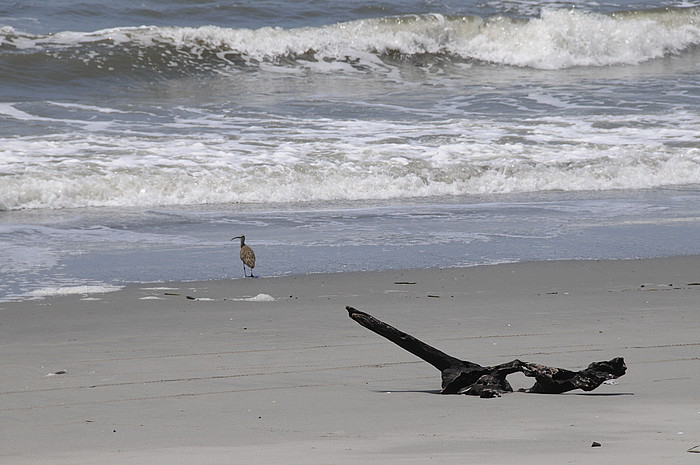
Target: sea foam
[[435, 158], [71, 290]]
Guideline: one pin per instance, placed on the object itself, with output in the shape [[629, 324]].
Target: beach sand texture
[[199, 372]]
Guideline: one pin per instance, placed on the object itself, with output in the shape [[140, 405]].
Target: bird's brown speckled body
[[247, 256]]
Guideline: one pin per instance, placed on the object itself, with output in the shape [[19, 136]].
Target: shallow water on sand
[[108, 247]]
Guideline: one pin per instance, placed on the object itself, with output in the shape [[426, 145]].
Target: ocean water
[[136, 138]]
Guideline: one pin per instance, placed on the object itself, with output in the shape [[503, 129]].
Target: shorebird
[[247, 256]]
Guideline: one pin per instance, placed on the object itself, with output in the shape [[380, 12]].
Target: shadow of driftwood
[[603, 394], [406, 391]]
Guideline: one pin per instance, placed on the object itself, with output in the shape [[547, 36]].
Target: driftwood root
[[463, 377]]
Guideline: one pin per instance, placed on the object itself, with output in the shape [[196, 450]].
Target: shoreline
[[108, 247], [256, 370], [94, 293]]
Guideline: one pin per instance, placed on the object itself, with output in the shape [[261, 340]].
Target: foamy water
[[68, 290], [305, 160]]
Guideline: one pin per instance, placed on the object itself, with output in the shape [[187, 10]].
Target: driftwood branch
[[462, 377]]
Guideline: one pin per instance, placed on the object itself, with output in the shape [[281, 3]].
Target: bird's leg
[[245, 273]]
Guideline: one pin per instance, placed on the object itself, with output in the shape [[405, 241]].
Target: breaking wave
[[557, 39]]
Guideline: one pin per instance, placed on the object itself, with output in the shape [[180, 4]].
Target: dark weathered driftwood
[[462, 377]]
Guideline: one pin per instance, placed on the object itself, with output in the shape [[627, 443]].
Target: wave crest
[[557, 39]]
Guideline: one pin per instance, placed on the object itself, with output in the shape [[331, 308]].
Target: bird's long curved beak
[[237, 237]]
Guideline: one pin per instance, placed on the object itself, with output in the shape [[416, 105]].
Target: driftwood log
[[462, 377]]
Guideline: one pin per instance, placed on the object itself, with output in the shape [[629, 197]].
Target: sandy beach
[[272, 370]]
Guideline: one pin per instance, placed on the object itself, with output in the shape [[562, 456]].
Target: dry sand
[[146, 377]]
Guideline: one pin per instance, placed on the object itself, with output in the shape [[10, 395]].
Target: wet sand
[[272, 370]]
